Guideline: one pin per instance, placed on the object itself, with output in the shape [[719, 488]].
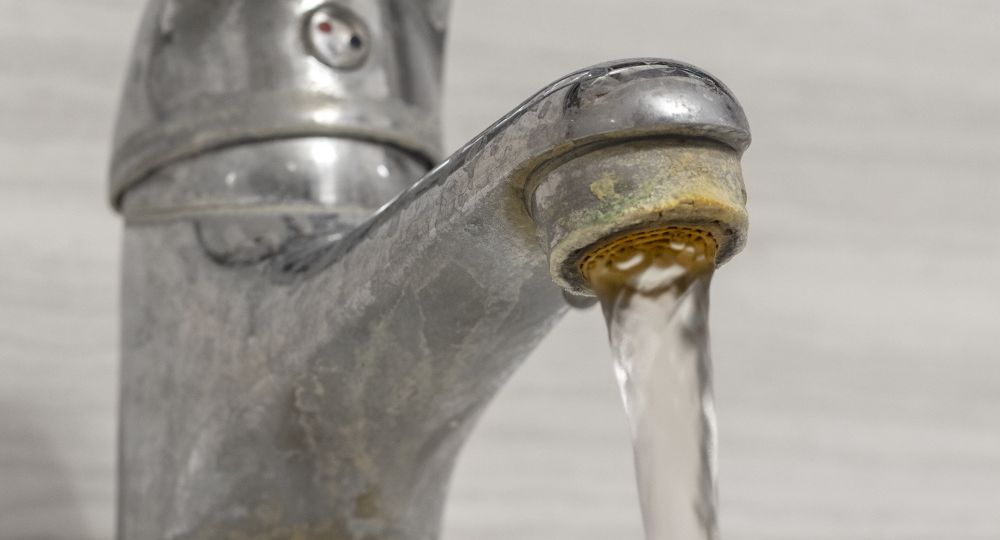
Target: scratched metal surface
[[855, 339]]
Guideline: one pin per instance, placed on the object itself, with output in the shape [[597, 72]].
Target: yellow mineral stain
[[604, 189]]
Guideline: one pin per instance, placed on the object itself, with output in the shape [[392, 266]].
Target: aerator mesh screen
[[654, 243]]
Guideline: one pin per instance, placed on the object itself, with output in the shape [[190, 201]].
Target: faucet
[[313, 318]]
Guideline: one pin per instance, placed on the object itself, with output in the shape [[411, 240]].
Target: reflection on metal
[[307, 338]]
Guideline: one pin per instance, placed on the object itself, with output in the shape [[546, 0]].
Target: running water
[[653, 288]]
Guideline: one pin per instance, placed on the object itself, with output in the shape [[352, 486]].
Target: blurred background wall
[[857, 339]]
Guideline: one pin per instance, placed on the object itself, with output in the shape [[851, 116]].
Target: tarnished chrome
[[304, 351], [638, 184], [346, 177], [643, 179], [207, 74]]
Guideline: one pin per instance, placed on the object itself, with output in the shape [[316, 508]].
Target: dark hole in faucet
[[355, 41]]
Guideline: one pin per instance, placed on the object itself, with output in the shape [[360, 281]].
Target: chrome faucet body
[[307, 339]]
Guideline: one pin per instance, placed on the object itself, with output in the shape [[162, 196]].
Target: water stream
[[654, 293]]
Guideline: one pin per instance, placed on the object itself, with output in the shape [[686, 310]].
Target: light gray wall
[[856, 339]]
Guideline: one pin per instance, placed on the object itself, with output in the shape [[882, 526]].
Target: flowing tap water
[[653, 288]]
